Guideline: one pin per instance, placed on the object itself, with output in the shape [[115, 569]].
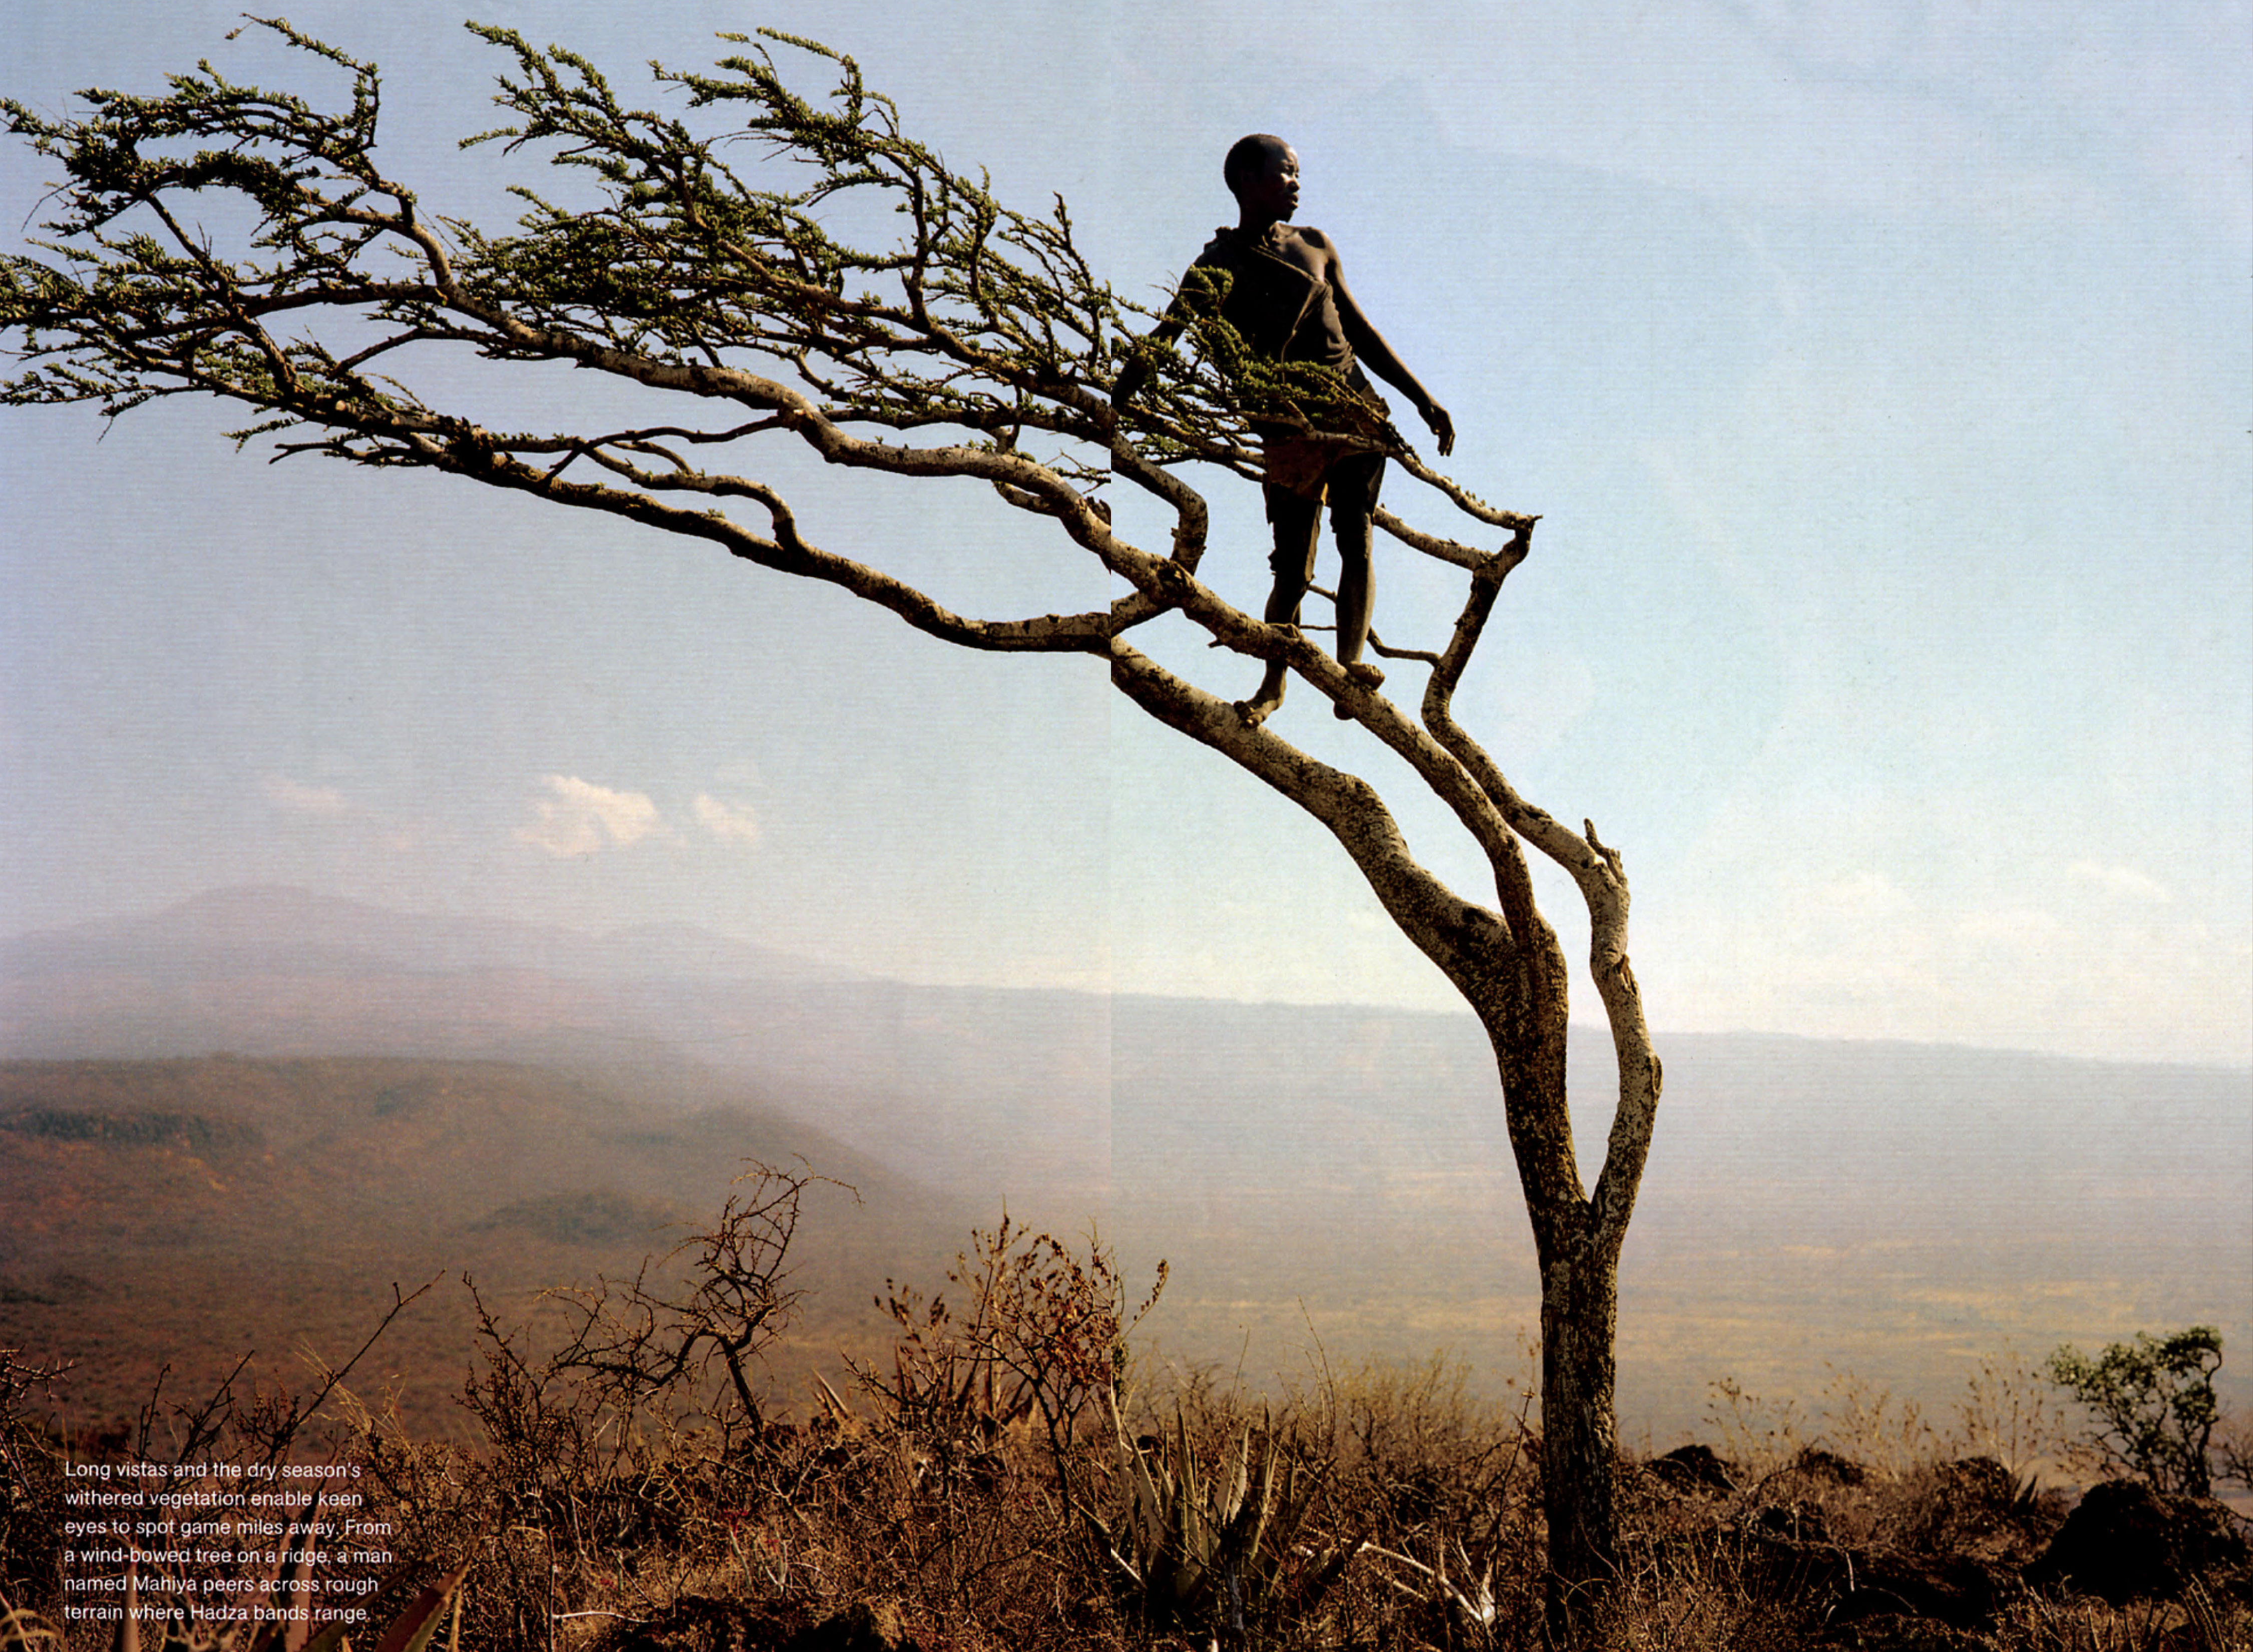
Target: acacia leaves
[[193, 224]]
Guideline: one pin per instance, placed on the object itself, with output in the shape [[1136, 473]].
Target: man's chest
[[1271, 294]]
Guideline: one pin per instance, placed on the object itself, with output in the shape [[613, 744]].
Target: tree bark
[[1580, 1311], [1579, 1261]]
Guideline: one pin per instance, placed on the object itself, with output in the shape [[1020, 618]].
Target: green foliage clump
[[2153, 1403]]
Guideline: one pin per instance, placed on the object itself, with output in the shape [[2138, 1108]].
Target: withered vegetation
[[1016, 1476]]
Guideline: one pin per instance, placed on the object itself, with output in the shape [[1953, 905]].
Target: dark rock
[[861, 1627], [1693, 1468], [1860, 1585], [2126, 1541], [1978, 1482], [1817, 1464], [1791, 1523], [1975, 1501], [1955, 1590]]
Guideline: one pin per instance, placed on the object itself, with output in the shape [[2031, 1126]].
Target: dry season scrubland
[[1006, 1477]]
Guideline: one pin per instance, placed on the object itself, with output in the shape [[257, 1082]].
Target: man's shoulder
[[1226, 248], [1299, 244], [1308, 250]]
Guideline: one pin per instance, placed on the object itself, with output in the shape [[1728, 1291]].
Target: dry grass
[[970, 1493]]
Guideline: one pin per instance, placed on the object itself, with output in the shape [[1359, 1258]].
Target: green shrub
[[2153, 1403]]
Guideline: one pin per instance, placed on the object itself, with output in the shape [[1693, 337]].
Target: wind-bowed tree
[[706, 260]]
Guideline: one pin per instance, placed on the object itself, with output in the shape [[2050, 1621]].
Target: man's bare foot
[[1364, 673], [1255, 712]]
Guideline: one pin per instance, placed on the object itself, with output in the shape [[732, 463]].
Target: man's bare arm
[[1370, 350]]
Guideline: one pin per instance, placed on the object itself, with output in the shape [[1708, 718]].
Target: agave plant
[[1210, 1547]]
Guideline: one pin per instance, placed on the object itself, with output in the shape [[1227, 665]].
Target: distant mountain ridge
[[1297, 1155], [279, 973], [1098, 1092], [266, 928]]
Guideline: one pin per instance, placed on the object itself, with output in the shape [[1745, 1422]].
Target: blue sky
[[1881, 373]]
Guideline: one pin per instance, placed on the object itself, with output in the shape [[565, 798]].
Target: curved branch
[[787, 552], [1505, 967], [1468, 503], [1446, 550], [1471, 945], [1600, 874]]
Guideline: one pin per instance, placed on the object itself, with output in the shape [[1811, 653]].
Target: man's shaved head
[[1247, 156]]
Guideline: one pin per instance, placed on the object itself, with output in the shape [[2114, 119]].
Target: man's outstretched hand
[[1442, 427]]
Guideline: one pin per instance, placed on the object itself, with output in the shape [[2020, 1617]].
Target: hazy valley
[[399, 1098]]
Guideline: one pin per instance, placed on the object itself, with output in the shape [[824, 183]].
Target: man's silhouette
[[1286, 297]]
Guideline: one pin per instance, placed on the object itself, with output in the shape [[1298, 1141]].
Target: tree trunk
[[1577, 1241], [1579, 1307]]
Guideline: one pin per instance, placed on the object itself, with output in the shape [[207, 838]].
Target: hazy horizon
[[736, 955], [1901, 1211]]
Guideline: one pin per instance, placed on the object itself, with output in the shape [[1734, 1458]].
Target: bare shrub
[[1762, 1435], [2009, 1411]]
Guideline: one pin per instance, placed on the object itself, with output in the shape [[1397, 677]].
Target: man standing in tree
[[1283, 291]]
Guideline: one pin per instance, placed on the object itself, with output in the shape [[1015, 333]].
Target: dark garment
[[1349, 486], [1283, 313]]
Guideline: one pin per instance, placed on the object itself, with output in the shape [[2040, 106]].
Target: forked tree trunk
[[1577, 1243], [1579, 1313]]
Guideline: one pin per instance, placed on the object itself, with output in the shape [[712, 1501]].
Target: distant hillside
[[185, 1211], [1338, 1172], [1009, 1089]]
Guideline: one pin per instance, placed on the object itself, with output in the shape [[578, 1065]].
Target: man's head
[[1262, 172]]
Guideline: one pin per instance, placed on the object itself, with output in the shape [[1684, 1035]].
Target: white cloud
[[582, 816], [729, 822], [320, 802], [2122, 879]]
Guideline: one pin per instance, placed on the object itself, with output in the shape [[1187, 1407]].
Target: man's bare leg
[[1355, 598], [1293, 566], [1262, 705]]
